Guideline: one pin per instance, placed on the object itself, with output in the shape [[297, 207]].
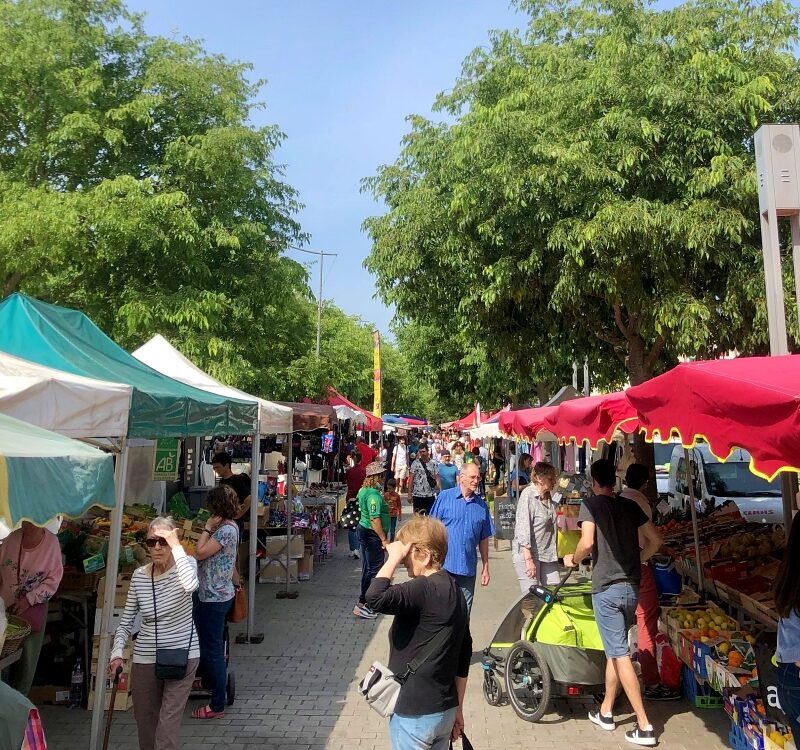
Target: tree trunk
[[543, 393], [640, 369]]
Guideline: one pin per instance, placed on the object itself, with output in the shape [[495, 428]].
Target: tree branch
[[652, 357]]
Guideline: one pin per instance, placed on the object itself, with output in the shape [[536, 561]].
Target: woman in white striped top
[[162, 593]]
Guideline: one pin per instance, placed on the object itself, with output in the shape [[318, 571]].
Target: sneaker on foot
[[604, 722], [639, 736], [355, 554], [661, 693], [364, 612]]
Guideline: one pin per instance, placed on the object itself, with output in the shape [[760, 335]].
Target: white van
[[717, 482]]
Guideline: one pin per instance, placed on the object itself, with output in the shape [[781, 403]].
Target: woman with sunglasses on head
[[162, 592], [219, 578]]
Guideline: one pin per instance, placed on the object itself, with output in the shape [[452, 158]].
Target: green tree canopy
[[133, 187], [592, 194]]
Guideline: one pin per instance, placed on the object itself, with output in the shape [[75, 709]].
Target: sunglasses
[[156, 541]]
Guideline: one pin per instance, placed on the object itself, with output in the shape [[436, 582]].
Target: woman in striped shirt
[[161, 592]]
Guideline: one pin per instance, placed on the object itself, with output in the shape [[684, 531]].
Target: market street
[[298, 688]]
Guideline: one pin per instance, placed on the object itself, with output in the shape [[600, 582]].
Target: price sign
[[505, 517]]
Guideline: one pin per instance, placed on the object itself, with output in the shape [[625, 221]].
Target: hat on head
[[445, 452], [376, 467]]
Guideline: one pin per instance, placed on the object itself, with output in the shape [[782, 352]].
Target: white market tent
[[159, 354], [62, 402], [345, 412]]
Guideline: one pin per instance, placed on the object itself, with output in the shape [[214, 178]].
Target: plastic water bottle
[[76, 687]]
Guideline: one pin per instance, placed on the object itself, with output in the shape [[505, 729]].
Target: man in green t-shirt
[[373, 532]]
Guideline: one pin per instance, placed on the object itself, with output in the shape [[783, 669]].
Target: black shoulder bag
[[171, 663], [431, 480]]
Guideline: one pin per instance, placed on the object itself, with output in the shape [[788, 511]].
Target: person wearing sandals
[[161, 592], [428, 713], [219, 578]]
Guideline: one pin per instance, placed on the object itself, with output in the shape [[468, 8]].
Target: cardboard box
[[123, 701], [41, 695], [120, 595], [275, 546], [115, 615], [275, 572], [305, 567]]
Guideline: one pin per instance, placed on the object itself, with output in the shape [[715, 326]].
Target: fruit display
[[753, 544]]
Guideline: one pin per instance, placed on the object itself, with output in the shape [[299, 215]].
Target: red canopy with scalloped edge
[[750, 402], [592, 418]]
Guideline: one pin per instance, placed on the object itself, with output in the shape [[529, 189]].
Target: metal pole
[[251, 636], [695, 530], [319, 302], [112, 567], [586, 376]]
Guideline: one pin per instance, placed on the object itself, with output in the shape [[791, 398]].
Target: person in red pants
[[636, 477]]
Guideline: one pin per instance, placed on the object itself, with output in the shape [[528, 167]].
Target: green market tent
[[160, 406], [43, 474]]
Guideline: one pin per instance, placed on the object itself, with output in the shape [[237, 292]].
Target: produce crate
[[120, 595], [700, 695], [76, 580], [686, 647]]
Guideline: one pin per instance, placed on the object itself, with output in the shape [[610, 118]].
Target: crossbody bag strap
[[438, 641], [155, 612]]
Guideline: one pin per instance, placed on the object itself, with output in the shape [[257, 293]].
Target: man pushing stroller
[[610, 529]]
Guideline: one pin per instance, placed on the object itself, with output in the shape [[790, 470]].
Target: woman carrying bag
[[166, 651], [430, 628], [30, 572], [219, 579]]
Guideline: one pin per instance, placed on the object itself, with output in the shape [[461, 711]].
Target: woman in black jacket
[[429, 707]]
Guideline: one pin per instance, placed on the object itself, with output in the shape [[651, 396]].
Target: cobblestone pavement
[[298, 688]]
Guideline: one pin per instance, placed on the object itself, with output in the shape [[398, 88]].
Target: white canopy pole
[[112, 567]]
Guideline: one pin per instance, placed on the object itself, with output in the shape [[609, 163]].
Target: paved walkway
[[298, 688]]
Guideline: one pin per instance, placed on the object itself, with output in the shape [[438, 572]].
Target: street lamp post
[[321, 256]]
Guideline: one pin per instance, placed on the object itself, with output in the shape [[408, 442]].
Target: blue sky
[[342, 77]]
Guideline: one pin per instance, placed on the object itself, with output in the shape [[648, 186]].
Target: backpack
[[351, 516]]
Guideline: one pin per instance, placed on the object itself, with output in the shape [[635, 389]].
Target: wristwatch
[[208, 531]]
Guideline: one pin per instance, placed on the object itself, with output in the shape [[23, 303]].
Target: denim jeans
[[371, 559], [352, 540], [209, 619], [615, 612], [467, 586], [427, 732], [788, 677], [392, 527]]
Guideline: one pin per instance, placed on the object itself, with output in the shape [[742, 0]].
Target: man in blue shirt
[[469, 526], [446, 472]]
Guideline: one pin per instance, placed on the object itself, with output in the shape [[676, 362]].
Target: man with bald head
[[469, 525]]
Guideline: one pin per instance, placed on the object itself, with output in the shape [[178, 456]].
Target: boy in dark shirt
[[610, 528]]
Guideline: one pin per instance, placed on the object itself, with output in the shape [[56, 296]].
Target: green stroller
[[547, 646]]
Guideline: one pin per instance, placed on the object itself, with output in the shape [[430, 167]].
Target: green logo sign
[[166, 464]]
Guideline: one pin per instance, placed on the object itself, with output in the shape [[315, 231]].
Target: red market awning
[[526, 423], [465, 423], [751, 403], [374, 424], [592, 419]]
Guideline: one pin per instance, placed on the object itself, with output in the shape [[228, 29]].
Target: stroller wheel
[[492, 689], [528, 681]]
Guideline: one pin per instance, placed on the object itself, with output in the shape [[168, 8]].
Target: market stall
[[31, 458], [160, 407], [370, 422], [273, 419]]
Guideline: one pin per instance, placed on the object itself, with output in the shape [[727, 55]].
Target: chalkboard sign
[[505, 517]]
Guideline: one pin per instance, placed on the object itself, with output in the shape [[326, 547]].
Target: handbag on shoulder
[[238, 610], [381, 687], [171, 663]]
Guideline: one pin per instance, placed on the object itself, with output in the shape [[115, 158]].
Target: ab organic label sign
[[166, 462]]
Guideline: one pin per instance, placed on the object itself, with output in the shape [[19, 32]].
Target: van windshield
[[736, 480]]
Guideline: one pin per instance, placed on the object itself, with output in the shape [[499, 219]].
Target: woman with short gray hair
[[161, 592]]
